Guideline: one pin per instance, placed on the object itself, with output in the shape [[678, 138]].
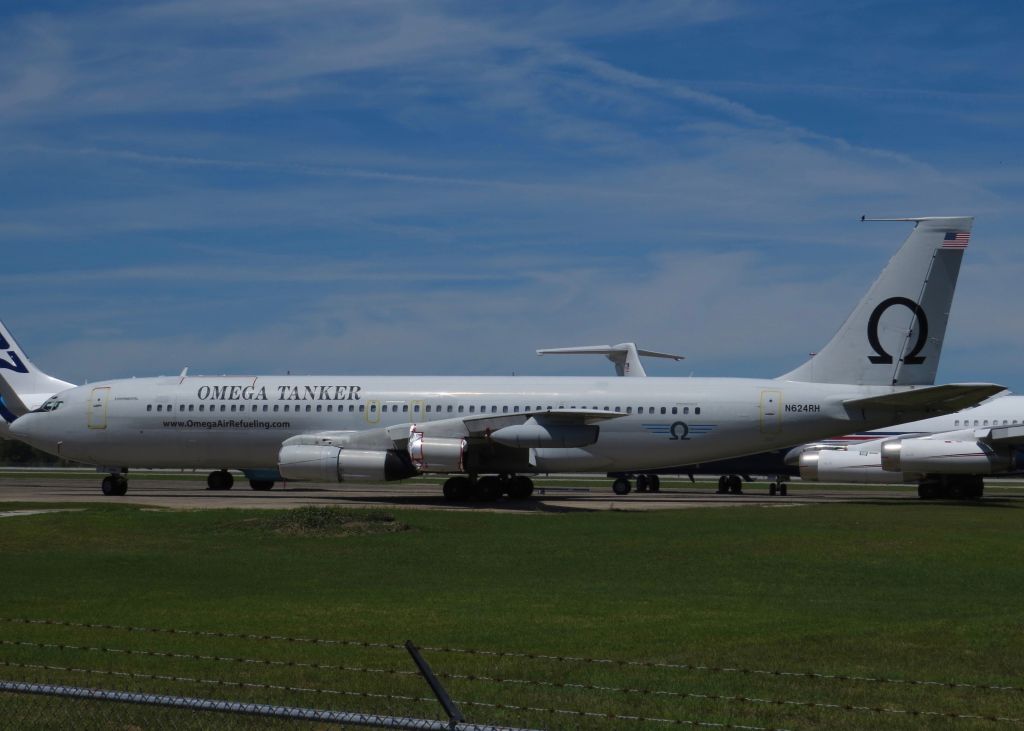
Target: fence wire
[[573, 659], [493, 686], [261, 710]]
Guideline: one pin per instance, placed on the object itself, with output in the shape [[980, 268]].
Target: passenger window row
[[254, 409], [393, 408], [984, 422]]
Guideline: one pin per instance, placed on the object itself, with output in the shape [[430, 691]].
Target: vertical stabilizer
[[894, 336], [23, 387]]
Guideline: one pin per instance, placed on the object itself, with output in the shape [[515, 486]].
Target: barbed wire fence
[[120, 676]]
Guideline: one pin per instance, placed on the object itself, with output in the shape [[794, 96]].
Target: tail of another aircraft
[[894, 336], [23, 387]]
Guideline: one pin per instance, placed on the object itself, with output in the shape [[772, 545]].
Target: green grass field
[[926, 591]]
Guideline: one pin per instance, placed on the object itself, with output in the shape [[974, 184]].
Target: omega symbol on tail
[[883, 356]]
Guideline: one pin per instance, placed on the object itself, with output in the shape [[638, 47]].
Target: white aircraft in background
[[490, 433], [947, 456]]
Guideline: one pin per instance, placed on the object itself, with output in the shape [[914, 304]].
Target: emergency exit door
[[771, 412]]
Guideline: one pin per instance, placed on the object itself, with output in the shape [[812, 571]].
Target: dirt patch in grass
[[319, 520]]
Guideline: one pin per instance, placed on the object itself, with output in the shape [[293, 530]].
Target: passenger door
[[97, 415]]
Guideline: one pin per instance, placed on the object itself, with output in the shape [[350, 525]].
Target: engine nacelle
[[437, 454], [534, 434], [943, 456], [841, 465], [318, 463]]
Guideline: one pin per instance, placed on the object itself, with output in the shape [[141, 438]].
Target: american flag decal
[[956, 239]]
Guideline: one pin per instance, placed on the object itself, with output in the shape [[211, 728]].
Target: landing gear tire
[[654, 483], [457, 488], [771, 489], [520, 488], [220, 480], [783, 489], [927, 491], [114, 485], [488, 489], [723, 485], [735, 484], [621, 486], [641, 483], [261, 484]]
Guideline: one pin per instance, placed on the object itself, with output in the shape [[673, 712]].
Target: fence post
[[454, 714]]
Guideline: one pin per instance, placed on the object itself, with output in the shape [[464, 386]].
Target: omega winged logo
[[882, 356], [679, 431]]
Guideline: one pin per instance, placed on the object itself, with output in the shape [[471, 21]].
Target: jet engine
[[841, 465], [945, 456], [319, 463], [437, 454]]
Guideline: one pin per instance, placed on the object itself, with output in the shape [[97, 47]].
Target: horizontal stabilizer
[[944, 399], [625, 356]]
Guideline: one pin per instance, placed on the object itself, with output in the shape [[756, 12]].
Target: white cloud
[[407, 186]]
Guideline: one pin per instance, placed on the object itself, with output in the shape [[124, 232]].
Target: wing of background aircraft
[[625, 356], [944, 464]]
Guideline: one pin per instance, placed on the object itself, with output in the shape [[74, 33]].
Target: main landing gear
[[730, 485], [487, 488], [116, 483], [644, 483], [733, 485], [951, 487]]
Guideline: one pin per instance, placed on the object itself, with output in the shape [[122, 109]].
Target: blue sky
[[416, 187]]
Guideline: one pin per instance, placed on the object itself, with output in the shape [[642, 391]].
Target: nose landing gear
[[220, 480], [115, 484]]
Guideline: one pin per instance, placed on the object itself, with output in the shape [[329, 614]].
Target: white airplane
[[490, 433], [948, 456]]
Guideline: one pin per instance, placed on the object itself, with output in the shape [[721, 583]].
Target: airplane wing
[[945, 399], [474, 428], [1002, 436]]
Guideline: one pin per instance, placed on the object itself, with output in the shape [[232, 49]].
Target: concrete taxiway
[[191, 493]]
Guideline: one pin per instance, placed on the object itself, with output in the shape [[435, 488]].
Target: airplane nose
[[25, 428], [38, 431]]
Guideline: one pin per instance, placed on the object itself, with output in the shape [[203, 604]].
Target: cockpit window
[[52, 404]]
